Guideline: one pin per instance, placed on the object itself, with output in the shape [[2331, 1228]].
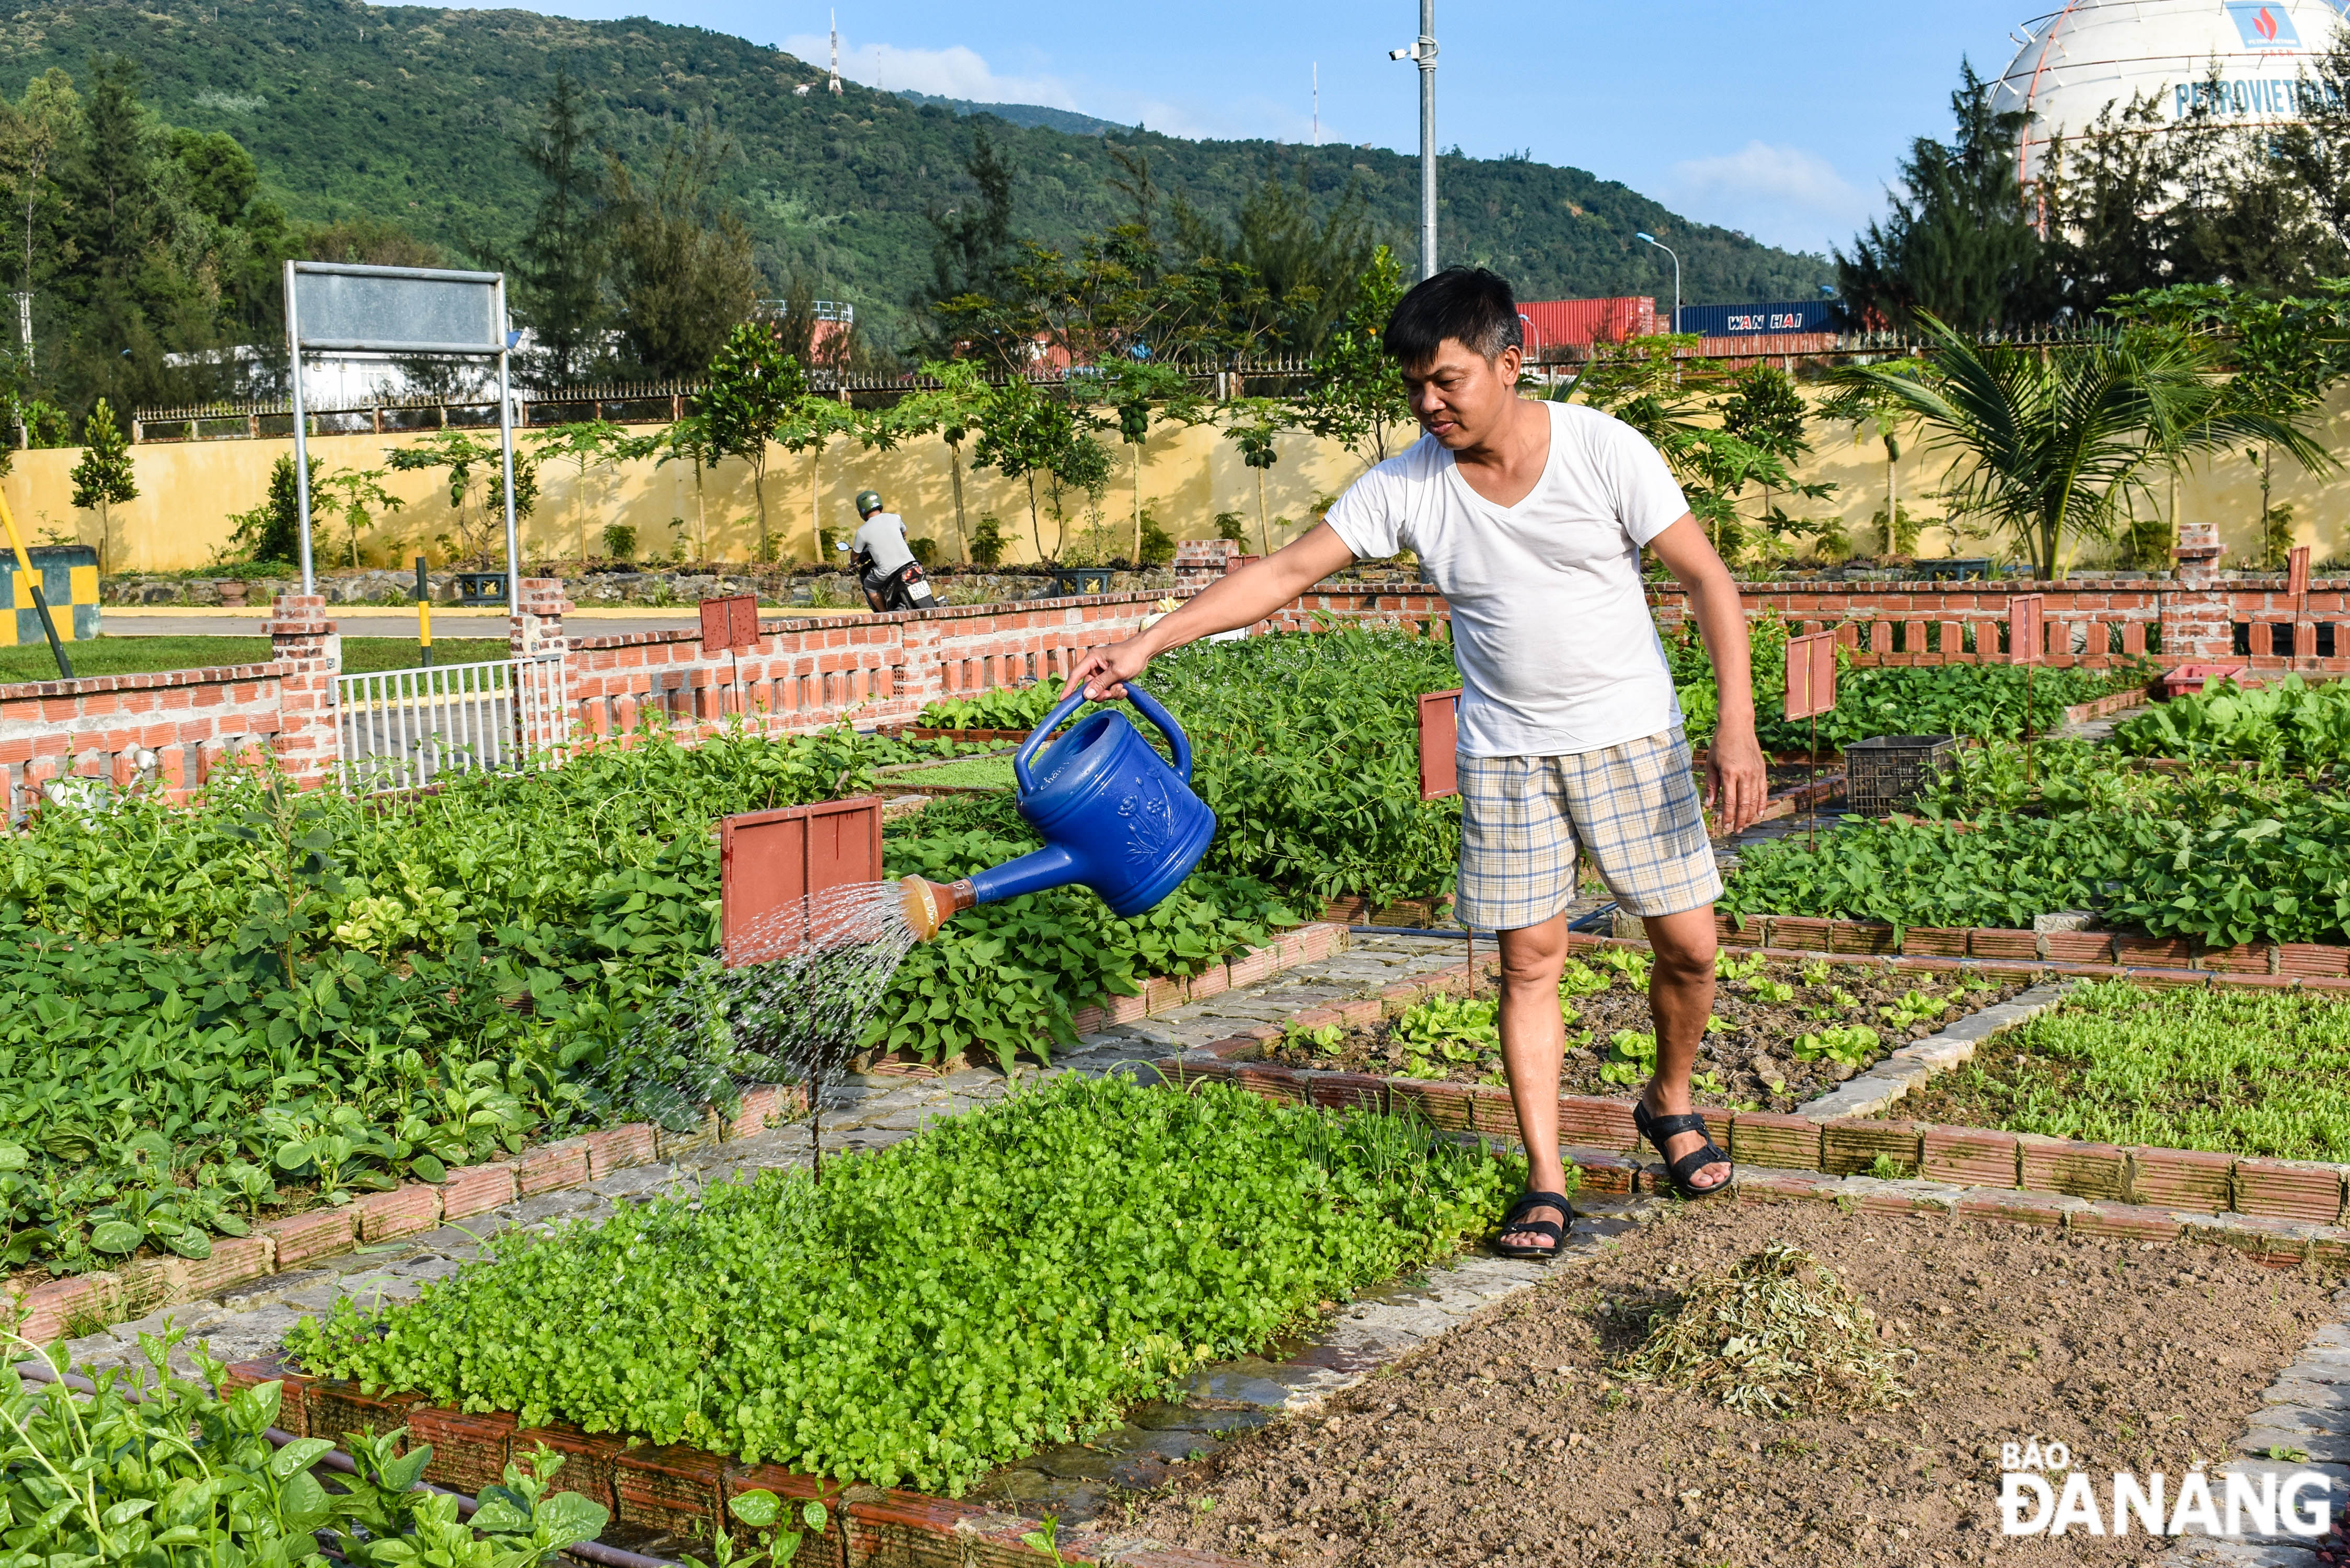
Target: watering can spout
[[930, 905]]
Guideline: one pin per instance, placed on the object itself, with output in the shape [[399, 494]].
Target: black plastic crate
[[1887, 772]]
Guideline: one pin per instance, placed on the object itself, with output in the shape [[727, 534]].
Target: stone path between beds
[[865, 1113]]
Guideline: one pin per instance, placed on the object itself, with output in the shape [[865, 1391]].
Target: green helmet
[[869, 502]]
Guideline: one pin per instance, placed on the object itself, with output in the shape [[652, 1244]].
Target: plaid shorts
[[1633, 808]]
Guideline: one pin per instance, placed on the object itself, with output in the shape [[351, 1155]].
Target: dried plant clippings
[[1774, 1334]]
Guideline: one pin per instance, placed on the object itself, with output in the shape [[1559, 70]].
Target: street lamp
[[1423, 52], [1661, 245]]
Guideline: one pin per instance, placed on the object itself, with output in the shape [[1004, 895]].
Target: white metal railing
[[399, 729]]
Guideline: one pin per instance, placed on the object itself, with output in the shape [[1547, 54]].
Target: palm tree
[[2051, 443]]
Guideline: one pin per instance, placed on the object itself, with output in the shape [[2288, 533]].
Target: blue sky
[[1783, 120]]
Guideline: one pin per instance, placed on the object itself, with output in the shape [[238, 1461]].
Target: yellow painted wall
[[188, 491], [2224, 489]]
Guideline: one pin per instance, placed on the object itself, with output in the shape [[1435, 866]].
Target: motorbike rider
[[885, 564]]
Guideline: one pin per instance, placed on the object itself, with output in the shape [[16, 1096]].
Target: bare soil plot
[[1514, 1440]]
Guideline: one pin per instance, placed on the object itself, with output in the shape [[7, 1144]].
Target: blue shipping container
[[1751, 320]]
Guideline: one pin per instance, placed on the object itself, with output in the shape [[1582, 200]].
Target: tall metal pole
[[1649, 239], [506, 455], [301, 432], [1425, 54]]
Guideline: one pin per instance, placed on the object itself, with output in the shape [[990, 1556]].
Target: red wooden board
[[770, 863], [742, 620], [2296, 571], [730, 622], [2027, 630], [1439, 734], [1811, 674]]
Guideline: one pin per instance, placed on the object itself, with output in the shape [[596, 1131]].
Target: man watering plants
[[1529, 518]]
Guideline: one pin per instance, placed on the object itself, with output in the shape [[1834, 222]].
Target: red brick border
[[684, 1489]]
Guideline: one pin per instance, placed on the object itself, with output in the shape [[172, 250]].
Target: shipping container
[[1557, 323], [1759, 321]]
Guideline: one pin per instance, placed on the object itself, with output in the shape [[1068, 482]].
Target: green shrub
[[272, 532], [1011, 1277], [987, 542], [619, 542], [1158, 544]]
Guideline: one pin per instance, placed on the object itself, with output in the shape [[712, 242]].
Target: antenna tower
[[835, 54]]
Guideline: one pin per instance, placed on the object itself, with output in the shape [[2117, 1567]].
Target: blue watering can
[[1115, 817]]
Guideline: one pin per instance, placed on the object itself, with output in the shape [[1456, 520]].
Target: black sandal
[[1515, 1221], [1657, 1129]]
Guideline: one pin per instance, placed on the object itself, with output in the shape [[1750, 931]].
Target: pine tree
[[561, 271], [1960, 246]]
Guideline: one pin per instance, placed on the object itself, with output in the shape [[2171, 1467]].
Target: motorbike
[[904, 589]]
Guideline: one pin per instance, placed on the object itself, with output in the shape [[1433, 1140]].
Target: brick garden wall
[[806, 674], [2089, 622]]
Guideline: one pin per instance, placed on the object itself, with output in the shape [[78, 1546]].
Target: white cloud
[[959, 72], [1783, 195], [953, 72]]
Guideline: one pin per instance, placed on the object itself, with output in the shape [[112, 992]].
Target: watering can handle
[[1141, 699]]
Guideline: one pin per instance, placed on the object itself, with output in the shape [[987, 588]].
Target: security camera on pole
[[1423, 52]]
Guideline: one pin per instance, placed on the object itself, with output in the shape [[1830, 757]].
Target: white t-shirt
[[1557, 651], [884, 535]]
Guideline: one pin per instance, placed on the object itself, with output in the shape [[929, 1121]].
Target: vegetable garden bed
[[2239, 1072], [1012, 1277], [2270, 1208], [1785, 1032], [268, 1001]]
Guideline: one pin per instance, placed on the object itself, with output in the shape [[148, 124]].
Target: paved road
[[377, 620], [373, 621]]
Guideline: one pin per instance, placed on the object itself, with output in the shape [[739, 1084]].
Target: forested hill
[[412, 114]]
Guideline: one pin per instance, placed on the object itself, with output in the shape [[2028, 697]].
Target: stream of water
[[788, 1000]]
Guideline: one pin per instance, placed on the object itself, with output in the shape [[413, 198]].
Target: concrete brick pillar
[[304, 641], [539, 627]]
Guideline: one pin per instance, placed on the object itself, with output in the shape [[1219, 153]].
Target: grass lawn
[[2240, 1072], [146, 655]]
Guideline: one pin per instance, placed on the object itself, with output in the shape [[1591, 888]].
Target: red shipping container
[[1552, 324]]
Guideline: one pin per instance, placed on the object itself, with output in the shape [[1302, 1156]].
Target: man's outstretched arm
[[1735, 782], [1240, 598]]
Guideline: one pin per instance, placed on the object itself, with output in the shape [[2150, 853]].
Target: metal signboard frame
[[361, 317]]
